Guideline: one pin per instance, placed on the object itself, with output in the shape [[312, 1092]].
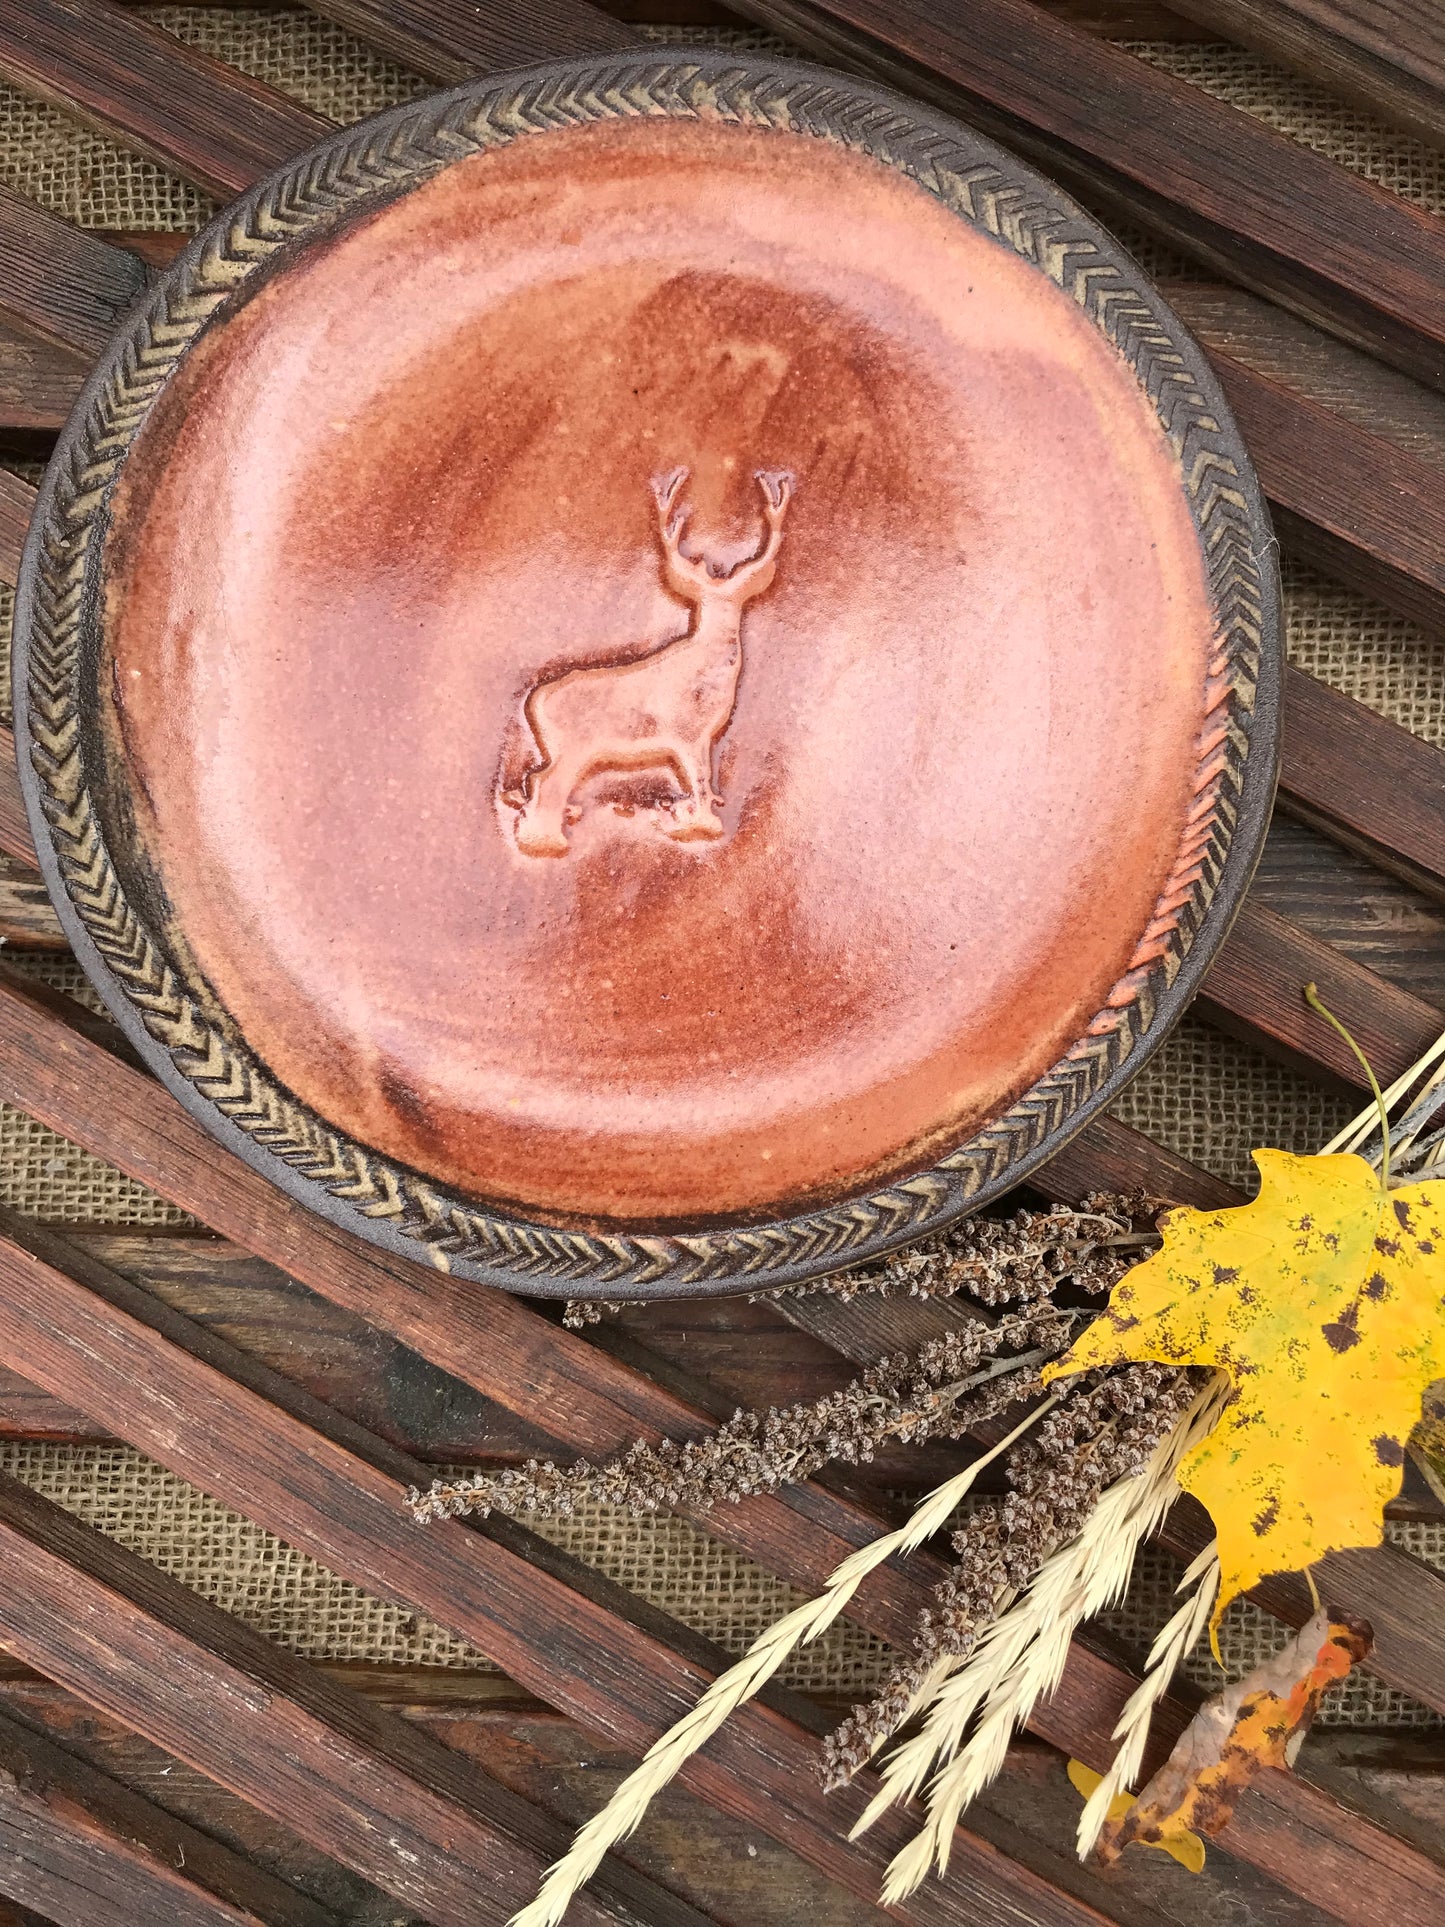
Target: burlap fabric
[[1205, 1096]]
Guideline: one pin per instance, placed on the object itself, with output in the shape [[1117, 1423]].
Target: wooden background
[[162, 1762]]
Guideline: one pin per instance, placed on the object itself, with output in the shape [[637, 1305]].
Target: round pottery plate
[[650, 676]]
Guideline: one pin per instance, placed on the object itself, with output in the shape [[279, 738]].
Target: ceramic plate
[[649, 676]]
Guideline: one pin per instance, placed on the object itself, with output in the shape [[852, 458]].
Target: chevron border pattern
[[374, 161]]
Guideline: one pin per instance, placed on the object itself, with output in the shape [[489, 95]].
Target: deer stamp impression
[[649, 676], [663, 711]]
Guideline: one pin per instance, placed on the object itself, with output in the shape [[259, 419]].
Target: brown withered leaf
[[1258, 1722]]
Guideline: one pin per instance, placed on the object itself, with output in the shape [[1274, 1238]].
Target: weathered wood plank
[[1364, 781], [359, 1783], [17, 499], [94, 1854], [210, 122], [506, 1350], [1386, 55], [27, 921], [15, 838], [1233, 193], [1345, 499], [63, 283], [450, 40], [1254, 990], [39, 381], [1345, 900], [304, 1478], [329, 1490]]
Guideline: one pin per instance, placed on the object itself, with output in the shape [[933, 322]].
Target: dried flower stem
[[946, 1386], [1173, 1646], [998, 1260], [1021, 1657], [623, 1812], [1104, 1429]]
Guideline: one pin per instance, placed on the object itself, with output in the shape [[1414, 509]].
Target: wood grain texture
[[259, 1445], [576, 1396], [368, 1789], [1205, 176], [451, 40], [1365, 781], [1340, 897], [17, 499], [27, 921], [1386, 55], [294, 1468], [1110, 1156], [60, 281], [94, 1854], [15, 838], [39, 381], [1347, 500], [1291, 352], [213, 124], [1255, 990]]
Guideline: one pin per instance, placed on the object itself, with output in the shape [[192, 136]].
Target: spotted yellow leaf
[[1177, 1840], [1324, 1301]]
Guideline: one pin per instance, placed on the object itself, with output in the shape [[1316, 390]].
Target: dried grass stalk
[[1107, 1427], [1176, 1640], [1021, 1657], [624, 1811]]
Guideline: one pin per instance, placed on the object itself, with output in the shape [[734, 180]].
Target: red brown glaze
[[408, 488]]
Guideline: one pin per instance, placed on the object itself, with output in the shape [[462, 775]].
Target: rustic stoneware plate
[[650, 676]]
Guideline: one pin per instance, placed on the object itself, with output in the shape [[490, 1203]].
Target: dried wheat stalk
[[1173, 1646], [623, 1812], [1021, 1657]]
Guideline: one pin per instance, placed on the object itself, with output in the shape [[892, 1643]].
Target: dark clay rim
[[174, 1026]]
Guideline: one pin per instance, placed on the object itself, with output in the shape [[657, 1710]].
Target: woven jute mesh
[[1205, 1096], [232, 1562]]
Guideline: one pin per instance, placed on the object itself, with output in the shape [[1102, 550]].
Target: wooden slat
[[574, 1394], [17, 499], [39, 381], [27, 921], [15, 838], [1110, 1156], [1390, 57], [92, 1853], [366, 1788], [325, 1487], [58, 280], [1255, 988], [1346, 500], [1212, 179], [210, 122], [1364, 781], [450, 40], [303, 1477]]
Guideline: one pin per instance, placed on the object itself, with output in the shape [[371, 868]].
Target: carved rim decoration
[[122, 941]]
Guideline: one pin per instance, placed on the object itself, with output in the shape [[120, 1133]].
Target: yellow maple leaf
[[1324, 1301]]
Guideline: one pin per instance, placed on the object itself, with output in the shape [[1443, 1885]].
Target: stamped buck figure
[[663, 711]]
